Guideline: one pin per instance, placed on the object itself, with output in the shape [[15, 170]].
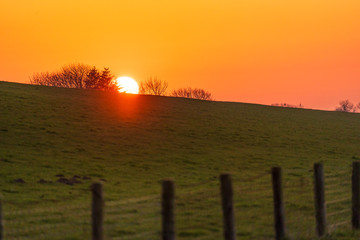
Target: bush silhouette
[[153, 86], [77, 76], [195, 93], [345, 106]]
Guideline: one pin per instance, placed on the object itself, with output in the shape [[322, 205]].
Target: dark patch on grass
[[70, 181], [132, 211], [44, 181], [5, 160], [19, 180], [52, 132]]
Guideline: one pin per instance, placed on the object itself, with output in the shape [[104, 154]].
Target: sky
[[256, 51]]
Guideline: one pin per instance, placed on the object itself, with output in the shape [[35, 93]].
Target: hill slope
[[132, 142]]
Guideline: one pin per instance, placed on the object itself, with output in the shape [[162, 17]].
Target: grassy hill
[[131, 142]]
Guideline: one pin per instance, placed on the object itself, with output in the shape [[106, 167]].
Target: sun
[[127, 85]]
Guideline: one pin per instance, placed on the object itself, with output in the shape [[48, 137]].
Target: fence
[[274, 209]]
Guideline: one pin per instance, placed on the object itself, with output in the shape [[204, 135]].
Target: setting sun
[[127, 85]]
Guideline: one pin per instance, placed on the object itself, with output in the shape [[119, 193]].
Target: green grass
[[133, 142]]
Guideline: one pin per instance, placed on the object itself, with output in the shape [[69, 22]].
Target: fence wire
[[198, 213], [55, 222]]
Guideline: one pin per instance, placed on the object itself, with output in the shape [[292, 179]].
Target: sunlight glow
[[127, 85]]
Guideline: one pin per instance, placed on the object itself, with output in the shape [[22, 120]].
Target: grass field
[[132, 142]]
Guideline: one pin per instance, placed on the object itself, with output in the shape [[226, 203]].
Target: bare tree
[[358, 106], [76, 76], [345, 106], [153, 86], [54, 79], [196, 93]]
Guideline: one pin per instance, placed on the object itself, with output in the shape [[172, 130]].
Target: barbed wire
[[336, 185], [40, 228], [338, 173], [253, 178], [201, 199], [47, 209], [133, 200], [336, 191], [200, 183], [337, 201], [338, 212], [346, 222]]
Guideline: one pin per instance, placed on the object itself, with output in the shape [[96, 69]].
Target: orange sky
[[259, 51]]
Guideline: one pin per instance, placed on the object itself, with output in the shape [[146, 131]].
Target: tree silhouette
[[345, 106], [153, 86], [196, 93], [92, 79], [77, 76], [102, 81]]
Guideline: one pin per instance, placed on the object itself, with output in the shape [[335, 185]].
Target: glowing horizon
[[246, 51]]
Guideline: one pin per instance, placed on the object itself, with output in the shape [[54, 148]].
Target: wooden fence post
[[97, 211], [1, 220], [319, 193], [356, 195], [168, 220], [279, 209], [227, 207]]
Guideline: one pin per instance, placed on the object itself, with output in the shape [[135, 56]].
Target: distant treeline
[[80, 75], [155, 86], [77, 75], [287, 105], [344, 106]]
